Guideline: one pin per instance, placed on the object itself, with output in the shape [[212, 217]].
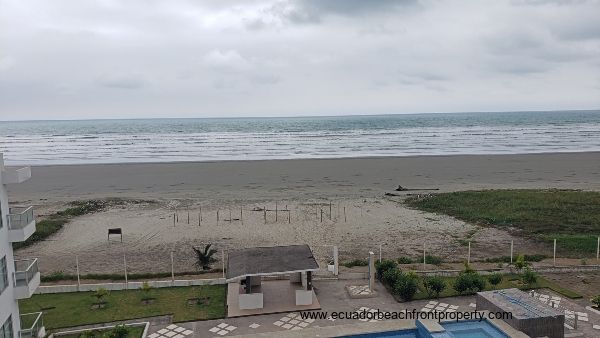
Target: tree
[[529, 277], [434, 285], [204, 257], [100, 294], [495, 279]]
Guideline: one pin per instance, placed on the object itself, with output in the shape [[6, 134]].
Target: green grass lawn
[[134, 332], [509, 281], [73, 309], [572, 217]]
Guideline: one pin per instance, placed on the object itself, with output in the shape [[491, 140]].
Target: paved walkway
[[333, 297]]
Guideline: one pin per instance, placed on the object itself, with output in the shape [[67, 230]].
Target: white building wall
[[8, 303]]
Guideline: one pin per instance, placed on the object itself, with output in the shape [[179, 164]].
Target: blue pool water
[[473, 329], [389, 334], [462, 329]]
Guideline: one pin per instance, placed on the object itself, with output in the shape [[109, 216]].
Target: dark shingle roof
[[270, 260]]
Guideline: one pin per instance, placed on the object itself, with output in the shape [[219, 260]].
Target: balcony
[[15, 175], [26, 277], [32, 325], [21, 224]]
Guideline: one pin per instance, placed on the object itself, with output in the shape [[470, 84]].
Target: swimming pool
[[461, 329]]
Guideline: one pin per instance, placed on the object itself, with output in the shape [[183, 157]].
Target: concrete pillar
[[371, 271]]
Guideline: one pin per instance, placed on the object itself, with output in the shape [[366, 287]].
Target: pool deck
[[333, 297]]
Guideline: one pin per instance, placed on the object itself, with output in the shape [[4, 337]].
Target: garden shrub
[[434, 285]]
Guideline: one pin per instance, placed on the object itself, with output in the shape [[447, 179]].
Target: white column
[[371, 271]]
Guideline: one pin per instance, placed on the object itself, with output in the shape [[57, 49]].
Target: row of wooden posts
[[265, 210]]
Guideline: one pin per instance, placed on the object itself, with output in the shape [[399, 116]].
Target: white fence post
[[223, 254], [598, 250], [336, 260], [424, 259], [512, 245], [172, 268], [77, 268], [126, 280], [469, 254], [554, 256]]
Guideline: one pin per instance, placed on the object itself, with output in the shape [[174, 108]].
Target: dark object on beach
[[401, 188], [390, 194], [115, 231]]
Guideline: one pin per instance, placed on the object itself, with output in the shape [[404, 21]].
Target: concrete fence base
[[126, 286]]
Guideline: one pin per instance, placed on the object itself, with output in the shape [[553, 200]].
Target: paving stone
[[278, 323], [254, 325]]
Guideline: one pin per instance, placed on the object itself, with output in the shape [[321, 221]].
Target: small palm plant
[[146, 288], [100, 294], [204, 257], [596, 301]]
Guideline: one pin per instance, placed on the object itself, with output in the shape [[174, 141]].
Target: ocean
[[218, 139]]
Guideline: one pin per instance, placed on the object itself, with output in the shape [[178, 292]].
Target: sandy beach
[[304, 187]]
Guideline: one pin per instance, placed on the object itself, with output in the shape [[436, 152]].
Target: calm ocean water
[[164, 140]]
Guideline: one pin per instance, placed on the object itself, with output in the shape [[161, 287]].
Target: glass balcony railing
[[19, 218], [25, 271], [32, 325]]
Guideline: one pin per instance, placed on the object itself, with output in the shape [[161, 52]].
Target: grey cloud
[[121, 81]]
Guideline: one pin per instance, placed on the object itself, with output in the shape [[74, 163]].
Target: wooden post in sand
[[188, 212], [344, 214], [265, 213], [321, 215], [241, 216], [217, 216], [176, 216], [329, 210], [275, 211], [289, 216], [200, 216]]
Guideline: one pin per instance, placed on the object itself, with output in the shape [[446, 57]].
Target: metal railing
[[25, 271], [31, 325], [19, 217]]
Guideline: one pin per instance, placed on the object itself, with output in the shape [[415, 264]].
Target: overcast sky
[[124, 59]]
